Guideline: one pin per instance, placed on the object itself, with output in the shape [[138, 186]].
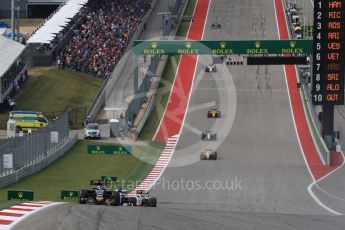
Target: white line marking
[[319, 202]]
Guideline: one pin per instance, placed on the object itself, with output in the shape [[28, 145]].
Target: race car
[[208, 136], [211, 68], [208, 154], [213, 113], [122, 198], [216, 25], [97, 194], [143, 198]]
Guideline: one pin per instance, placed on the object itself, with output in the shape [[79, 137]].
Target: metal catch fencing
[[137, 101], [20, 152]]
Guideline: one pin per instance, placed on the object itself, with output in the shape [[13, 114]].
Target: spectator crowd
[[100, 40]]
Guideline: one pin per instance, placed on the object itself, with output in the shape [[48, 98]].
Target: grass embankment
[[76, 168], [53, 91], [164, 88]]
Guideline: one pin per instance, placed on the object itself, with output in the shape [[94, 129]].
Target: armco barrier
[[152, 100], [29, 170], [146, 115], [317, 139]]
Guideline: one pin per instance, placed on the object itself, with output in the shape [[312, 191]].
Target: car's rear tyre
[[202, 156], [18, 129], [215, 156], [116, 199], [82, 196], [152, 202], [132, 201]]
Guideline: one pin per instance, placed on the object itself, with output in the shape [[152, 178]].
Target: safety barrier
[[22, 156], [152, 100], [29, 170], [318, 140]]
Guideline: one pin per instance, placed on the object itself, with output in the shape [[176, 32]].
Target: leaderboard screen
[[328, 55]]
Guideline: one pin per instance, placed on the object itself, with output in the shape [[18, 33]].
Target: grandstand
[[86, 36], [56, 23]]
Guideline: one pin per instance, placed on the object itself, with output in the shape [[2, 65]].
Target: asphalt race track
[[261, 175]]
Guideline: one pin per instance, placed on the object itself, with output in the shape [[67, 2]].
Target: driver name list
[[328, 55]]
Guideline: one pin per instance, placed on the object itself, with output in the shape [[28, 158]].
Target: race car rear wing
[[96, 182], [142, 192]]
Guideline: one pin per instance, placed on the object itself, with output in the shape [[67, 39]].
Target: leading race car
[[208, 136], [213, 113], [97, 194], [208, 154], [216, 25], [211, 68]]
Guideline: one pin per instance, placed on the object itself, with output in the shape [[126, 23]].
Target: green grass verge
[[25, 22], [163, 91], [58, 90], [53, 91], [7, 203], [76, 168]]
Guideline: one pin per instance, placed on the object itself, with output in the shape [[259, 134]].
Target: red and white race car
[[143, 198]]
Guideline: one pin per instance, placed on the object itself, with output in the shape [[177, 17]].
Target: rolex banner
[[109, 149], [20, 195], [245, 47], [69, 195]]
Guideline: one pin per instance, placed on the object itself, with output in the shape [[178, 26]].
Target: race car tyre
[[132, 201], [116, 198], [215, 156], [145, 202], [82, 195], [203, 136], [202, 156], [18, 129], [152, 202]]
